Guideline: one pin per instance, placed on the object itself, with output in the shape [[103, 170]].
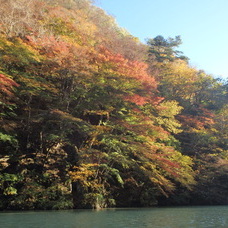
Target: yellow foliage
[[86, 174]]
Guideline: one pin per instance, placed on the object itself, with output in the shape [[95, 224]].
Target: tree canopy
[[90, 117]]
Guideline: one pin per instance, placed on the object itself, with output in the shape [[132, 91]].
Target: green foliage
[[16, 55], [7, 183], [166, 116], [163, 49], [7, 138]]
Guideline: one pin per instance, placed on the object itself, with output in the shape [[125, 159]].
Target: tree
[[164, 49]]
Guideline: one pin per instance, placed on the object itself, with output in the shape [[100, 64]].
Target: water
[[172, 217]]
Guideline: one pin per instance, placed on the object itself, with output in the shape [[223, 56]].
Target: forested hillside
[[91, 117]]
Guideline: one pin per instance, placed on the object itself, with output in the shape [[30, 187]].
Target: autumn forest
[[90, 117]]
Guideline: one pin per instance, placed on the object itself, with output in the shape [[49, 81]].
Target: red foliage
[[136, 99], [6, 85], [163, 159], [50, 46], [166, 162], [140, 100], [130, 69], [204, 119], [125, 67]]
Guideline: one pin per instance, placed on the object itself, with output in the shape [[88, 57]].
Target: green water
[[172, 217]]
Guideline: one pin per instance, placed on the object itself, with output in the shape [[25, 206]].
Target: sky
[[202, 25]]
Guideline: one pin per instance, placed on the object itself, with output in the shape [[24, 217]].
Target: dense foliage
[[90, 117]]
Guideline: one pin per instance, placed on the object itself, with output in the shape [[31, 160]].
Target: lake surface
[[170, 217]]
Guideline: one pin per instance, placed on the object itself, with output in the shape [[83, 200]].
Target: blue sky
[[202, 25]]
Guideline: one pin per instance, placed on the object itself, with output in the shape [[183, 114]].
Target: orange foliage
[[125, 67], [202, 119], [50, 45], [136, 99], [6, 85], [197, 122]]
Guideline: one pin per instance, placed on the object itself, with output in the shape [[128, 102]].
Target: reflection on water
[[175, 217]]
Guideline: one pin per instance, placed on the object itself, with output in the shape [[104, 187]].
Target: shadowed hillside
[[90, 117]]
